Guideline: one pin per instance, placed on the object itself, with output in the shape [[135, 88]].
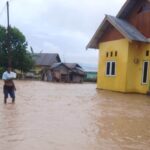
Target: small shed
[[91, 73], [91, 76], [67, 72]]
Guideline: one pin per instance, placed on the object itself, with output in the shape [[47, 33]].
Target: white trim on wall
[[110, 69], [144, 83]]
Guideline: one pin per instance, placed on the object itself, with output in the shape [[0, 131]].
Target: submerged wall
[[117, 82]]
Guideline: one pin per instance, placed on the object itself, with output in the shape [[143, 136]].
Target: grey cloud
[[63, 26]]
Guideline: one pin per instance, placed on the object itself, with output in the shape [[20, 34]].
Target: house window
[[111, 68], [107, 54], [111, 54], [116, 53], [145, 72], [147, 53], [108, 68]]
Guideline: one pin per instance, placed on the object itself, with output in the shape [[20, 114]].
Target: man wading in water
[[9, 86]]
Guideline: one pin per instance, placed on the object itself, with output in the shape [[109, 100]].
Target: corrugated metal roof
[[74, 67], [125, 28], [46, 59], [68, 65], [128, 30], [55, 65], [127, 8], [99, 32]]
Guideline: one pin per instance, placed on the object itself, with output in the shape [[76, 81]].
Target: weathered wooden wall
[[139, 17], [111, 34]]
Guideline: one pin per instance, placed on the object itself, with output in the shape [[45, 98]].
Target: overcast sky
[[60, 26]]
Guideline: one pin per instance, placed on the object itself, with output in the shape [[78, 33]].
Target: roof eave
[[123, 32], [98, 31], [94, 42], [119, 29]]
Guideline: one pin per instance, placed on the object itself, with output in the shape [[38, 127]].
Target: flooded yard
[[50, 116]]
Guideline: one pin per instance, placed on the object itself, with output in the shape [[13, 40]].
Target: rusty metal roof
[[68, 65], [73, 67], [46, 59]]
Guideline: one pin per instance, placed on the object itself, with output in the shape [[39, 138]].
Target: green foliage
[[1, 71], [21, 58]]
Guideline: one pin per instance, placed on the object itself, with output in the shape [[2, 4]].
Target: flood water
[[50, 116]]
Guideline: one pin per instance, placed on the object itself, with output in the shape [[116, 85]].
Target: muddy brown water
[[50, 116]]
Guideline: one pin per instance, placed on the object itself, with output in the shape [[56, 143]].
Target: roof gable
[[132, 21], [127, 8], [46, 59], [125, 28], [74, 67], [129, 5], [111, 34]]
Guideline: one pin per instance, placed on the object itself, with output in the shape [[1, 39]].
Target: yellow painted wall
[[137, 51], [129, 66], [38, 69], [118, 82]]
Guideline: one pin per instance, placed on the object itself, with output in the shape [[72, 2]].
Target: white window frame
[[110, 71], [145, 83]]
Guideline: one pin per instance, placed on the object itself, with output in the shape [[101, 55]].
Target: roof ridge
[[124, 27], [113, 21], [129, 4]]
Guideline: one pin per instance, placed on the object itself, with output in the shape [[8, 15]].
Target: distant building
[[67, 72], [43, 61], [91, 73], [124, 44], [46, 59], [91, 76]]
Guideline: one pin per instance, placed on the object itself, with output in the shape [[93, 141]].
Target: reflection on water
[[74, 117]]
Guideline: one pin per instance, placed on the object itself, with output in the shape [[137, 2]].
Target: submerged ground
[[50, 116]]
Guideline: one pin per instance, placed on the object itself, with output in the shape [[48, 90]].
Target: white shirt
[[7, 76]]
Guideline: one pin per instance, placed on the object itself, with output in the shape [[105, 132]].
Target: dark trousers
[[9, 90]]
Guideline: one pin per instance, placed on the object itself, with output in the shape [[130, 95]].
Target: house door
[[145, 79]]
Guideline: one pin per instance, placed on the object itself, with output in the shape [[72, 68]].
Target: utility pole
[[8, 37], [7, 14]]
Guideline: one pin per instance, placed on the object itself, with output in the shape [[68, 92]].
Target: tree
[[21, 57]]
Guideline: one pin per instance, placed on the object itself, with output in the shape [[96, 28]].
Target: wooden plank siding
[[139, 17], [111, 34], [142, 22]]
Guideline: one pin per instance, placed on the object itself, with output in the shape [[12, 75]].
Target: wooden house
[[67, 72], [43, 61], [124, 49]]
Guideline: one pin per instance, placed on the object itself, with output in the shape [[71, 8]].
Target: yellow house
[[45, 60], [124, 49]]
